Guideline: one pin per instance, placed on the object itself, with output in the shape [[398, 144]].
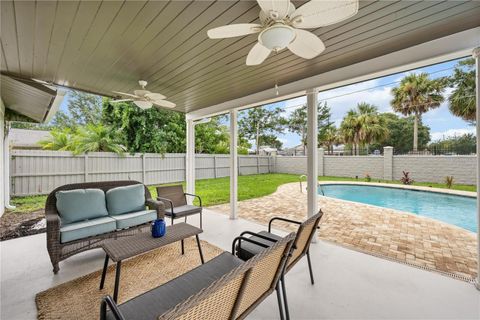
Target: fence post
[[388, 163], [215, 167], [85, 157], [258, 165], [143, 168]]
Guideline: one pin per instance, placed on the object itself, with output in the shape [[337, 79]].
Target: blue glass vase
[[158, 228]]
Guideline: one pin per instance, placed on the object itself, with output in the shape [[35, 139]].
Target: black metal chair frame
[[282, 277], [170, 203]]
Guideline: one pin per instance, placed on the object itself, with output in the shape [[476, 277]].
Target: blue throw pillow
[[126, 199], [80, 204]]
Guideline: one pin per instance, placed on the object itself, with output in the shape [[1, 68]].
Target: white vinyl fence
[[39, 172]]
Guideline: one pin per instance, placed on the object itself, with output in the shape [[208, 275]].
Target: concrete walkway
[[388, 233], [349, 284]]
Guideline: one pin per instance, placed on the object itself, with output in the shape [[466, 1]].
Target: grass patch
[[28, 204], [217, 191]]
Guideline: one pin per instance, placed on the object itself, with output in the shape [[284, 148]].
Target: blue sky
[[377, 92]]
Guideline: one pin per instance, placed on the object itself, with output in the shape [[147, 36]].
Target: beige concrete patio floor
[[387, 233]]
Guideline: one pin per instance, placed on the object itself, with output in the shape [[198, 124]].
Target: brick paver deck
[[400, 236]]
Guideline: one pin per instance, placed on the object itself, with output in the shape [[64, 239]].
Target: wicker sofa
[[62, 245]]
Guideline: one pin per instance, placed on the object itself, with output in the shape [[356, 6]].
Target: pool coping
[[463, 193]]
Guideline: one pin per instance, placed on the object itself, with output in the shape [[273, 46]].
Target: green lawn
[[217, 191]]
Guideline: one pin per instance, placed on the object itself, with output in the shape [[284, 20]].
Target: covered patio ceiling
[[104, 46]]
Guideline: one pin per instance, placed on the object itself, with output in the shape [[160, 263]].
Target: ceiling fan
[[145, 99], [281, 27]]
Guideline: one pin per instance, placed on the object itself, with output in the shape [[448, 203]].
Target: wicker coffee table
[[128, 247]]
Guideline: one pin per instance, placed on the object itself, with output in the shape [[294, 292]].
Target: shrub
[[406, 178], [449, 181], [368, 178]]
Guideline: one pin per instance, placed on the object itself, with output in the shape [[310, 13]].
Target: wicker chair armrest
[[194, 195], [156, 205], [53, 227], [107, 300], [240, 238], [167, 201]]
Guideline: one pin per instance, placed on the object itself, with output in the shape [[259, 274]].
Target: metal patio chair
[[176, 205], [301, 245]]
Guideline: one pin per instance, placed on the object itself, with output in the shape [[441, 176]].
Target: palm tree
[[462, 99], [415, 95], [60, 140], [92, 138], [363, 126], [330, 138], [372, 126], [350, 128]]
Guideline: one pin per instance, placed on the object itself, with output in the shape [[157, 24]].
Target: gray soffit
[[105, 46], [26, 97]]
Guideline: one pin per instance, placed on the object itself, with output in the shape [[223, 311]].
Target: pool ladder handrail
[[301, 189]]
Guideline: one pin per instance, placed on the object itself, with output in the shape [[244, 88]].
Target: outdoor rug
[[80, 298]]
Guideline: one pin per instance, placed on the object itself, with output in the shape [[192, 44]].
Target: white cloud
[[343, 99], [451, 133]]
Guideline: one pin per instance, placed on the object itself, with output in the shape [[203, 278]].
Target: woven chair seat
[[182, 211], [247, 249], [155, 302]]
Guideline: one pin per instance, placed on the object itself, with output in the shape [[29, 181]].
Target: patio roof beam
[[312, 157], [233, 163], [476, 55]]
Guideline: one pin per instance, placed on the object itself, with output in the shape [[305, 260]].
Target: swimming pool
[[452, 209]]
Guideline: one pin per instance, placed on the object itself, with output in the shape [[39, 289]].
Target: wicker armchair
[[223, 288], [60, 251]]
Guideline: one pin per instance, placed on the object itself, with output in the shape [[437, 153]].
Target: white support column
[[190, 158], [233, 164], [312, 155], [476, 55], [6, 172]]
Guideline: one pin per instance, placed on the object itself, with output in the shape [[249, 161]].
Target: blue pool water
[[452, 209]]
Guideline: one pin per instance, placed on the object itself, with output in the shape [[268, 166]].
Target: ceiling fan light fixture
[[140, 93], [277, 37]]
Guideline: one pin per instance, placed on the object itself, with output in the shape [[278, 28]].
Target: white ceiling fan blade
[[306, 44], [257, 55], [155, 96], [126, 94], [320, 13], [143, 104], [121, 100], [164, 104], [234, 30], [279, 8]]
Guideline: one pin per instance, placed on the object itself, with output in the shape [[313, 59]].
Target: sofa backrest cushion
[[80, 204], [126, 199]]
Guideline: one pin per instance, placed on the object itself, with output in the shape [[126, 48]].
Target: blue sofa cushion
[[126, 199], [81, 204], [87, 228], [134, 218]]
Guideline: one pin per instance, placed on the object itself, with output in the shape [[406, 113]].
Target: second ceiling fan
[[281, 27]]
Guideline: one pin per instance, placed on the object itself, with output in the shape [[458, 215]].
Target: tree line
[[92, 123]]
